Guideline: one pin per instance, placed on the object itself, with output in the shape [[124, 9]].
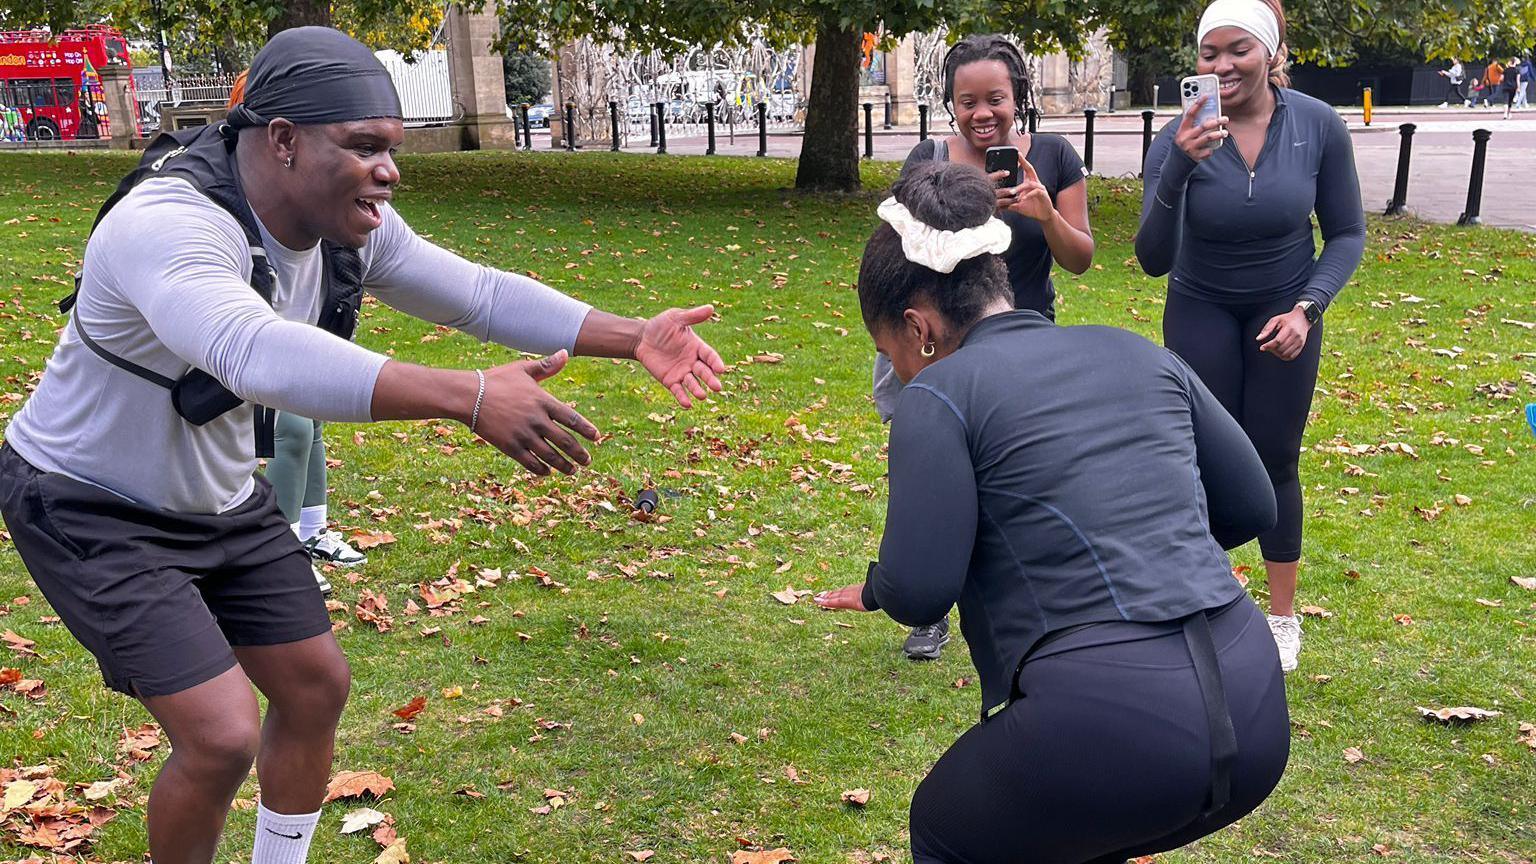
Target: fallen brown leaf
[[356, 784], [856, 797], [1462, 714], [17, 643], [411, 709], [641, 854], [368, 540], [394, 854], [767, 856], [1353, 755]]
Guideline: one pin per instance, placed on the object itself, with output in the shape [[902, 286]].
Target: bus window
[[35, 92], [117, 52], [64, 92]]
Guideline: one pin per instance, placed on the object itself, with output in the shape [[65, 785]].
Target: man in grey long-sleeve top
[[143, 525]]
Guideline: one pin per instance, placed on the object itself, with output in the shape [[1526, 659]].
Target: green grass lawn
[[682, 709]]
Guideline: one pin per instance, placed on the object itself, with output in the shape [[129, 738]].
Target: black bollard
[[888, 123], [1404, 154], [922, 122], [570, 126], [762, 128], [869, 130], [709, 122], [1472, 215], [661, 128], [1088, 115], [652, 112], [613, 125], [1146, 134], [1033, 115], [527, 129]]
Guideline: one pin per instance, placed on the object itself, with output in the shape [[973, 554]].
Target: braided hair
[[987, 46]]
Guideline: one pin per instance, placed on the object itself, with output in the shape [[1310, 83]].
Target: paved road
[[1438, 180]]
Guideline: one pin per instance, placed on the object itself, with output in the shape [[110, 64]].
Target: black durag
[[315, 75]]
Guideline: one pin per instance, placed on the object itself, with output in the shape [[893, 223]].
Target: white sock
[[283, 839], [294, 527], [311, 521]]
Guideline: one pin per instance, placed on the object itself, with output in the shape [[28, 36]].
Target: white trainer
[[1287, 632]]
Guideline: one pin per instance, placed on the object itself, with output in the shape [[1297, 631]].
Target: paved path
[[1440, 167]]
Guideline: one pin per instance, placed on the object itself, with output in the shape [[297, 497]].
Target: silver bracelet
[[474, 418]]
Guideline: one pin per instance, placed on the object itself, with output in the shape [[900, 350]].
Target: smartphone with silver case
[[1195, 86]]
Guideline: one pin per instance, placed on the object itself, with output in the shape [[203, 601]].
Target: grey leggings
[[297, 468]]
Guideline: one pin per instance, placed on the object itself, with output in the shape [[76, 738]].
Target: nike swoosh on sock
[[298, 836]]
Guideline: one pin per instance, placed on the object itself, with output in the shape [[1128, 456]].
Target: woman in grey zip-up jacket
[[1227, 213]]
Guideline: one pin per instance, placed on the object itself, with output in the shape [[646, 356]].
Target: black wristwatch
[[1310, 309]]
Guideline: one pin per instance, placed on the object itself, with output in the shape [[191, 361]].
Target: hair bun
[[947, 195]]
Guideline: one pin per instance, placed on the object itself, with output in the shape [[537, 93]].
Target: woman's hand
[[1198, 141], [848, 597], [1030, 198], [1287, 334]]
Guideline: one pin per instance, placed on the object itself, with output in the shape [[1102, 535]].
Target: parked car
[[538, 115]]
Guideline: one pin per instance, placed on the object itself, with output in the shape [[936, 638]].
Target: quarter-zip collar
[[1276, 119]]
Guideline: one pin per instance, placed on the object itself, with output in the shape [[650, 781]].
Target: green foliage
[[526, 75]]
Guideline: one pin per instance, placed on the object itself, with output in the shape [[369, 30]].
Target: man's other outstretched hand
[[677, 357]]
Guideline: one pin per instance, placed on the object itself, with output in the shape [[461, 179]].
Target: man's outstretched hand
[[677, 357]]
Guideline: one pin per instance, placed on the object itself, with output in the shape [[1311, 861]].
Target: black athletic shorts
[[159, 596]]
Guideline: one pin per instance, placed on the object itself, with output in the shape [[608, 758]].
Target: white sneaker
[[1287, 632], [1443, 105], [329, 548]]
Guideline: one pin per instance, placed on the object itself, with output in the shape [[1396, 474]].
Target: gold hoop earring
[[927, 350]]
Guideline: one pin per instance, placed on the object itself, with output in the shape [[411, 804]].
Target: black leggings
[[1268, 397], [1107, 756]]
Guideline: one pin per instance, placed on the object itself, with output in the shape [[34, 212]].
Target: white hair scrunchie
[[942, 251], [1250, 15]]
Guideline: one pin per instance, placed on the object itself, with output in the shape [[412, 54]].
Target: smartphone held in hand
[[1195, 86], [1004, 158]]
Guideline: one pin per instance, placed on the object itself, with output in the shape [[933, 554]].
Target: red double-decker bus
[[50, 85]]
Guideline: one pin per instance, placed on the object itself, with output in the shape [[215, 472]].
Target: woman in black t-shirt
[[986, 90]]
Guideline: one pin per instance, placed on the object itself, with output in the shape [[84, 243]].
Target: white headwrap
[[942, 251], [1251, 15]]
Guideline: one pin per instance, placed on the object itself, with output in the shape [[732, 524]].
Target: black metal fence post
[[888, 123], [527, 129], [762, 128], [1088, 115], [613, 125], [1404, 154], [652, 112], [922, 122], [709, 123], [1146, 134], [869, 130], [1472, 215], [661, 128], [570, 126], [1033, 115]]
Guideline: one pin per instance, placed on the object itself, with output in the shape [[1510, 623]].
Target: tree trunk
[[300, 13], [829, 150]]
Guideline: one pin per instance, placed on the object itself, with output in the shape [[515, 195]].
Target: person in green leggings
[[297, 474]]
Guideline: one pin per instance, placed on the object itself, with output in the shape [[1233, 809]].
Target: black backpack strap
[[343, 290], [126, 365]]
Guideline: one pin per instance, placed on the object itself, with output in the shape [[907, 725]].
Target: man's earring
[[927, 350], [288, 163]]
